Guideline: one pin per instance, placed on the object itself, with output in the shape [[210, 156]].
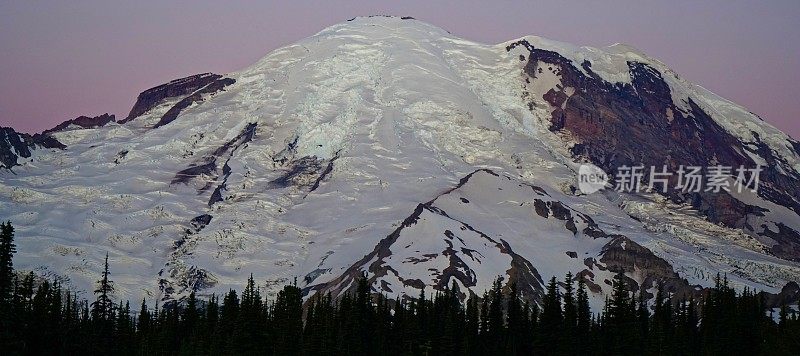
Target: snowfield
[[324, 148]]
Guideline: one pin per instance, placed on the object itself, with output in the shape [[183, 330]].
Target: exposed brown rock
[[152, 97], [299, 172], [382, 250], [84, 122], [587, 277], [521, 271], [789, 294], [197, 96], [788, 241], [622, 255], [208, 165], [15, 145], [638, 124]]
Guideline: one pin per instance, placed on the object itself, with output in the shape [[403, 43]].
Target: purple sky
[[62, 59]]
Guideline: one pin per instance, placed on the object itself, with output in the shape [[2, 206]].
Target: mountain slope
[[391, 147]]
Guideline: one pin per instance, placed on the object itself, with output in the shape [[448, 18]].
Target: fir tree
[[569, 334], [584, 317], [483, 330], [249, 326], [472, 326], [7, 250], [50, 320], [642, 320], [515, 321], [143, 321], [7, 283], [551, 320], [288, 320], [102, 314], [228, 316], [494, 336], [102, 307]]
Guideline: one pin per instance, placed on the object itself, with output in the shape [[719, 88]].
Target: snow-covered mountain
[[389, 146]]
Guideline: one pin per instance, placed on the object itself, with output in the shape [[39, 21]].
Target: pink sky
[[63, 59]]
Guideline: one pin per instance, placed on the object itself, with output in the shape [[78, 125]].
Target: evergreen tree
[[642, 320], [190, 313], [317, 319], [621, 319], [452, 324], [102, 314], [229, 315], [494, 336], [472, 326], [102, 307], [570, 333], [516, 322], [7, 250], [7, 283], [661, 324], [213, 326], [143, 322], [49, 320], [288, 319], [528, 326], [483, 330], [249, 324], [584, 317], [551, 321], [124, 329]]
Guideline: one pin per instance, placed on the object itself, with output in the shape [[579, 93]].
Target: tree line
[[41, 317]]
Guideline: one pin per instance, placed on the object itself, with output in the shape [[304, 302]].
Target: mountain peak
[[389, 147], [383, 27]]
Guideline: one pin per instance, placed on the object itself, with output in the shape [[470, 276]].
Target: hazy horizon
[[64, 60]]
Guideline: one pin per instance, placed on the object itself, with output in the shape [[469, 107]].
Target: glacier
[[384, 146]]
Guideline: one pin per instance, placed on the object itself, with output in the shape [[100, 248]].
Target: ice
[[401, 111]]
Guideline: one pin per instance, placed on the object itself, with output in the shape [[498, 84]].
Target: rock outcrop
[[152, 97], [84, 122], [17, 145], [638, 123]]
